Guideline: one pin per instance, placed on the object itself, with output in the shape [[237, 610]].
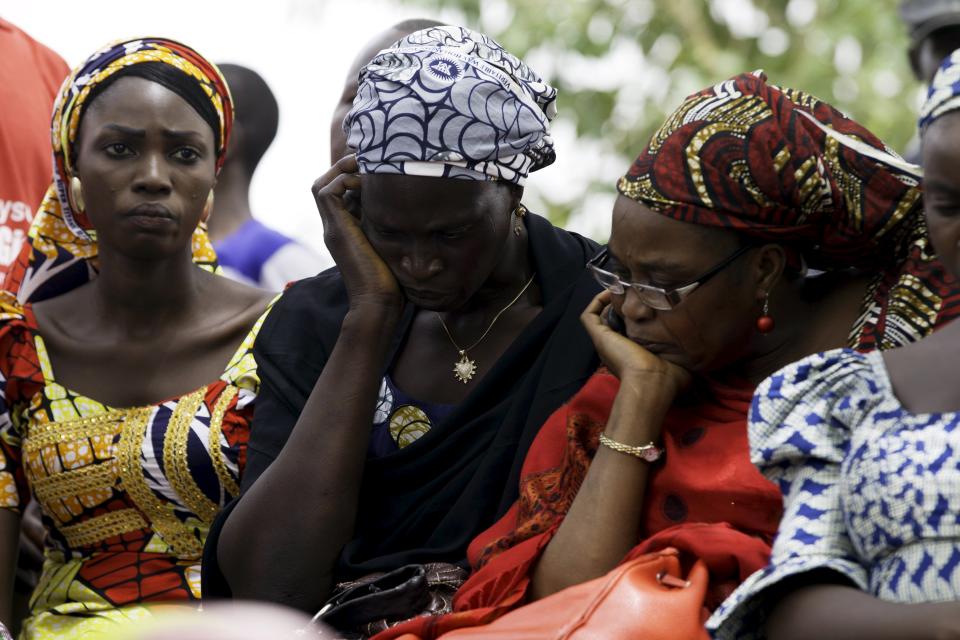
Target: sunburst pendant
[[465, 368]]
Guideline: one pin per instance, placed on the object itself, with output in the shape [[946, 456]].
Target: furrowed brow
[[130, 131], [171, 133]]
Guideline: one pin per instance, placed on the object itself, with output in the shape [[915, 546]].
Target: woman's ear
[[769, 264]]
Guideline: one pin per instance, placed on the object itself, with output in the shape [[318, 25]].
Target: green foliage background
[[851, 53]]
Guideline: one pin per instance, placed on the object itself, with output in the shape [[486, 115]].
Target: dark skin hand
[[711, 332], [923, 376], [145, 159], [445, 246]]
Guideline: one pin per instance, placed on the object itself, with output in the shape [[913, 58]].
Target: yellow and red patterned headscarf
[[61, 250]]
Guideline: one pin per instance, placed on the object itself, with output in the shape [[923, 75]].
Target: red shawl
[[704, 498]]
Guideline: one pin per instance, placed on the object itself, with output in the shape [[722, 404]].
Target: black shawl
[[427, 501]]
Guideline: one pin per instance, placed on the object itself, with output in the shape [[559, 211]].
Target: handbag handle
[[668, 580]]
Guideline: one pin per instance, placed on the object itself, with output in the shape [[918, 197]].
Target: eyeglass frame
[[673, 296]]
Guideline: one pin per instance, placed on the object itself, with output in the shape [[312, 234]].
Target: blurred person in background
[[30, 75], [248, 250], [127, 380], [338, 137], [934, 31]]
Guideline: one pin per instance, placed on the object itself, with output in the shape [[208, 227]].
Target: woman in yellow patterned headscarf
[[61, 251], [125, 398]]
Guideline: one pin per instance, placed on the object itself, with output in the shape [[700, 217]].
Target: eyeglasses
[[655, 297]]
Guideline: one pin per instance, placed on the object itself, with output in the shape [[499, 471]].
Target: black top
[[427, 501]]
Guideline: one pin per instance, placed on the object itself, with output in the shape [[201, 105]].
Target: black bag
[[367, 606]]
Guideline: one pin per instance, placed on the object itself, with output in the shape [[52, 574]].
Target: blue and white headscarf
[[944, 93], [450, 102]]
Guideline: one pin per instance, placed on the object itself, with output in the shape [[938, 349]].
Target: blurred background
[[620, 66]]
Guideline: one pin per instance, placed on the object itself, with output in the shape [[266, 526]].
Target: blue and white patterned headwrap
[[944, 93], [450, 102]]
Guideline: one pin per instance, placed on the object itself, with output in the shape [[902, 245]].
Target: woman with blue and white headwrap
[[867, 452], [403, 388]]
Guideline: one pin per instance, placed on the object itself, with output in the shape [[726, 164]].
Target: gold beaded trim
[[160, 514], [216, 427], [45, 434], [175, 461], [100, 528], [75, 482]]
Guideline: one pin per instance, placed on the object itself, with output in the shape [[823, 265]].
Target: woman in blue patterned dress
[[866, 451]]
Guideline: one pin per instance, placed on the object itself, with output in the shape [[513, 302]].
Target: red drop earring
[[765, 322]]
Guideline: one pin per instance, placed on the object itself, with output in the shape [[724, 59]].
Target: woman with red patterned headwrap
[[742, 189], [127, 378]]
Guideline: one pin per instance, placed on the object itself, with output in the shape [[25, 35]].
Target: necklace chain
[[493, 322]]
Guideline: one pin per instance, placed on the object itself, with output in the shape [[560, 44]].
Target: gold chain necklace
[[464, 368]]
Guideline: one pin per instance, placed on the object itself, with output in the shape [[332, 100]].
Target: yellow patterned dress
[[127, 495]]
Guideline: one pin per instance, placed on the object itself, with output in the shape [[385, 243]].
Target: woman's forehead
[[446, 197], [641, 235], [135, 101]]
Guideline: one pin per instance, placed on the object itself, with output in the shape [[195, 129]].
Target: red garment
[[30, 76], [705, 498]]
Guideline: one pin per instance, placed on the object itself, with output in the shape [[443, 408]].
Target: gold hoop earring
[[520, 212], [76, 194]]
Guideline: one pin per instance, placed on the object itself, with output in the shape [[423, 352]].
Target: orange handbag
[[644, 598]]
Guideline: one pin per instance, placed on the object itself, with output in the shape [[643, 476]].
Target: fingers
[[592, 317], [329, 191], [335, 186], [345, 165], [351, 202], [330, 188], [594, 311], [605, 314]]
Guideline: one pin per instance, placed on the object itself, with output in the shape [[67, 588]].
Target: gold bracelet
[[649, 452]]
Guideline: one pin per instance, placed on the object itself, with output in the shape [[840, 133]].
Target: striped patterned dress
[[127, 494]]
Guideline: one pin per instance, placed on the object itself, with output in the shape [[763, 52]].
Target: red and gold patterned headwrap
[[780, 165], [61, 250]]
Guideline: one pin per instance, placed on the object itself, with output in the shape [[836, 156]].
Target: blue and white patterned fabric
[[450, 102], [943, 96], [870, 490]]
